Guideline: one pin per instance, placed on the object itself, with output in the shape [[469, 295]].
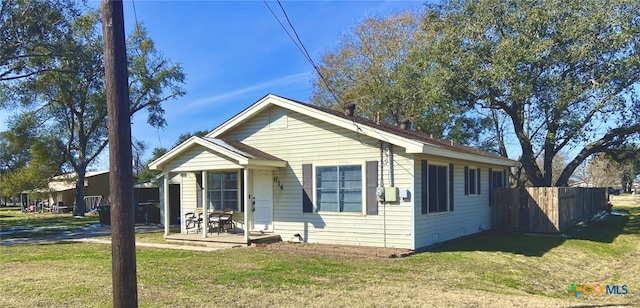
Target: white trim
[[411, 146], [247, 205], [205, 214], [317, 114], [167, 217], [220, 150]]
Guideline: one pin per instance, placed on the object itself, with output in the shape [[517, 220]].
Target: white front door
[[263, 201]]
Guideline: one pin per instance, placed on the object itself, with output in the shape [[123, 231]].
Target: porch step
[[264, 238], [203, 244]]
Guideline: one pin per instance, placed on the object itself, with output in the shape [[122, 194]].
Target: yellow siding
[[309, 141], [471, 212], [188, 191], [98, 186], [198, 158]]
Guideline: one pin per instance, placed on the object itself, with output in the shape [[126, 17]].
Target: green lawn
[[493, 269], [15, 224]]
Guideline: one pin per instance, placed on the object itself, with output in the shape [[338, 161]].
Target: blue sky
[[235, 52]]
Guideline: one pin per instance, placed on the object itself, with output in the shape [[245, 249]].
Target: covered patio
[[207, 176]]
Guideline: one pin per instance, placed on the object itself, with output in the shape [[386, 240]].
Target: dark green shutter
[[372, 184], [466, 180], [479, 172], [424, 187], [491, 188], [307, 188], [450, 187]]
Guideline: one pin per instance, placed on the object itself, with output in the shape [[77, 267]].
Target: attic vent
[[349, 109], [405, 123]]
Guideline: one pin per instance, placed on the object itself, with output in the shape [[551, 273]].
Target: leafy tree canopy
[[71, 98], [31, 34], [377, 66], [564, 73]]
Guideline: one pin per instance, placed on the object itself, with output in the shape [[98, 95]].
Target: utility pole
[[123, 247]]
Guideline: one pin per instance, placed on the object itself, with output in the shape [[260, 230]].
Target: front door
[[263, 201]]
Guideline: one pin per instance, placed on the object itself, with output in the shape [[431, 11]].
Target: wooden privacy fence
[[546, 209]]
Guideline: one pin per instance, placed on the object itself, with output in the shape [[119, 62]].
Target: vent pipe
[[349, 109], [405, 124]]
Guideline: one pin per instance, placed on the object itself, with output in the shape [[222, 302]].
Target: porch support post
[[205, 215], [248, 206], [167, 218]]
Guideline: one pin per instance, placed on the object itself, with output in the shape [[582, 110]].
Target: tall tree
[[376, 67], [566, 73], [72, 96], [32, 34], [138, 149], [29, 157], [603, 171]]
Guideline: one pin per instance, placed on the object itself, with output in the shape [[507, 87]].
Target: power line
[[301, 47]]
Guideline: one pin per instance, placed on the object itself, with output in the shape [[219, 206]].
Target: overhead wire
[[298, 42]]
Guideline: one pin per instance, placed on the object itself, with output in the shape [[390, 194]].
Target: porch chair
[[226, 220], [222, 221], [193, 220]]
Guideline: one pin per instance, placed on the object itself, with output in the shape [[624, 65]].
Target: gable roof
[[241, 153], [413, 141]]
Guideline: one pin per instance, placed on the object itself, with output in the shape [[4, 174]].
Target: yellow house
[[291, 168], [62, 188]]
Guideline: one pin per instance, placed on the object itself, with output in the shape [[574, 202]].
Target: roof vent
[[405, 123], [349, 109]]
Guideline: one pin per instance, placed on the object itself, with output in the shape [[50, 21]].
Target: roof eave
[[437, 151], [266, 163]]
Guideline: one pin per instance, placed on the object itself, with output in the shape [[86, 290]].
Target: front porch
[[224, 237]]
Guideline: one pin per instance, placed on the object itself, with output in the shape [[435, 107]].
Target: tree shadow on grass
[[603, 230], [532, 246]]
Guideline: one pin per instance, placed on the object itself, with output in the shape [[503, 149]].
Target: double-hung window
[[497, 180], [472, 181], [222, 191], [339, 188]]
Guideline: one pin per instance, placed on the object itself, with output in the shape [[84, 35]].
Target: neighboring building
[[62, 188], [288, 168]]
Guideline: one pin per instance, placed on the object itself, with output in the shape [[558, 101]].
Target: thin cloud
[[208, 101]]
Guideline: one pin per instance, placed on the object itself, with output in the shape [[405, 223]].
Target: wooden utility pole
[[123, 246]]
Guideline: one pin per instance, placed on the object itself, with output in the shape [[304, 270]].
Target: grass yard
[[15, 224], [493, 270]]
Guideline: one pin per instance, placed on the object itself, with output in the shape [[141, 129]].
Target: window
[[497, 178], [438, 189], [339, 188], [472, 181], [222, 191]]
